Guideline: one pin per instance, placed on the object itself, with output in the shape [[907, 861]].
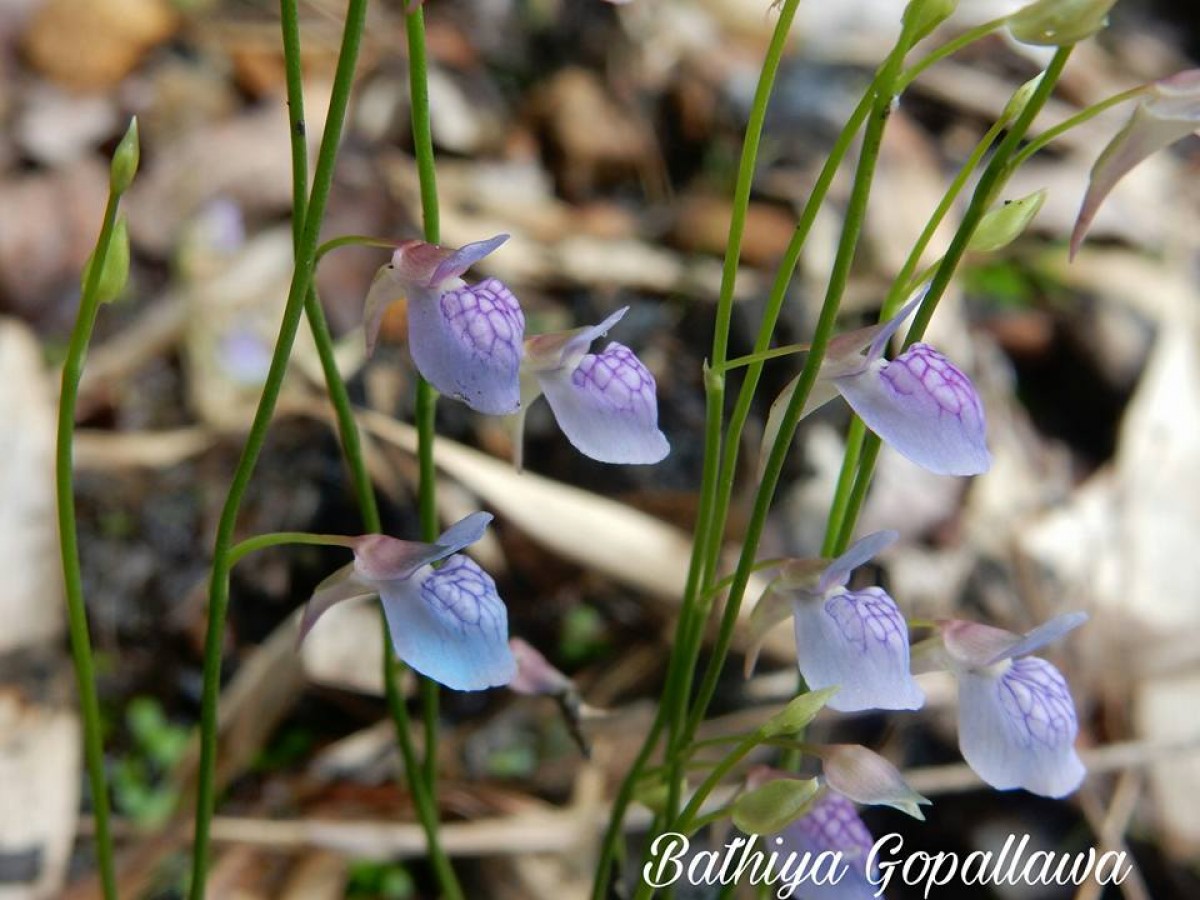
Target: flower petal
[[341, 586], [832, 825], [1046, 633], [607, 407], [925, 408], [386, 289], [450, 625], [467, 343], [858, 642], [564, 349], [465, 531], [1017, 729], [454, 265], [1171, 113], [423, 265], [837, 574]]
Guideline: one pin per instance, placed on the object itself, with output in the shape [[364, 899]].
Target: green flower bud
[[797, 714], [125, 160], [1020, 99], [1057, 23], [922, 16], [1004, 224], [115, 273], [774, 805]]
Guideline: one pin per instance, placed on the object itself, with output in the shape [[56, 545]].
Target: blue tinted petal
[[465, 531], [450, 625], [1046, 633], [832, 825], [857, 642], [861, 551], [1017, 728], [925, 408], [607, 407], [467, 342], [454, 265]]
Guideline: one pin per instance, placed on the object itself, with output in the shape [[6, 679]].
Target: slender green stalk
[[1085, 115], [424, 801], [901, 285], [298, 291], [839, 275], [418, 81], [242, 549], [949, 48], [81, 644], [1000, 167]]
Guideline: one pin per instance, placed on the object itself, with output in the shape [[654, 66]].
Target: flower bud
[[1020, 99], [125, 160], [922, 16], [1057, 23], [1007, 222], [866, 777], [773, 806], [797, 714], [115, 273]]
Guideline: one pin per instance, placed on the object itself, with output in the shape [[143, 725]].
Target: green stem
[[998, 170], [1085, 115], [883, 95], [81, 644], [834, 543], [949, 48], [297, 293], [693, 612], [242, 549], [352, 240], [426, 411], [423, 800]]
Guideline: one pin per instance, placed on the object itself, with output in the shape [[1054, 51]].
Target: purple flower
[[447, 623], [605, 402], [1016, 719], [854, 640], [1169, 112], [920, 403], [832, 824], [465, 339]]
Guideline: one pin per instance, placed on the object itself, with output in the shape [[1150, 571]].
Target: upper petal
[[607, 407], [925, 408], [450, 625], [837, 574], [857, 642], [467, 341], [424, 265], [1017, 727], [564, 349]]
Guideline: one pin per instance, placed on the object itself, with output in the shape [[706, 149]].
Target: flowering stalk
[[423, 798], [418, 80], [81, 645], [297, 294], [997, 172], [902, 284]]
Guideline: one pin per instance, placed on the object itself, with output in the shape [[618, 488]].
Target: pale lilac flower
[[919, 403], [1169, 112], [605, 402], [856, 641], [832, 824], [465, 339], [1016, 718], [448, 623]]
